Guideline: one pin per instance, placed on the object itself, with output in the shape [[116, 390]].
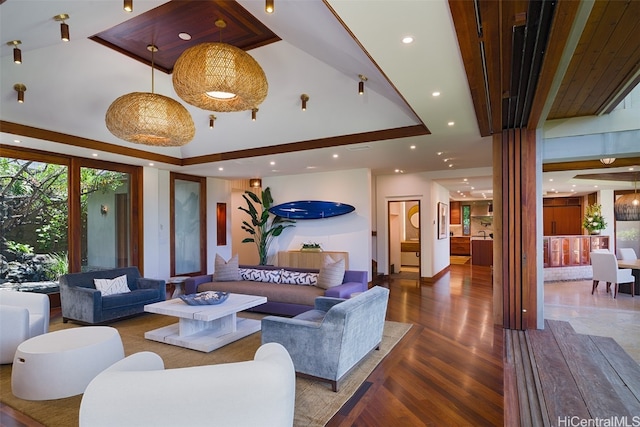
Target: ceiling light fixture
[[17, 53], [219, 77], [608, 161], [627, 206], [149, 118], [212, 119], [128, 6], [363, 79], [268, 6], [64, 27], [407, 40], [304, 97], [255, 183], [21, 89], [254, 114]]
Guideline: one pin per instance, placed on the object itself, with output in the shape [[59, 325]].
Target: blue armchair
[[327, 342], [81, 301]]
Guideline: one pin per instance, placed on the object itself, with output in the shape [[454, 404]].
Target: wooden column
[[515, 277]]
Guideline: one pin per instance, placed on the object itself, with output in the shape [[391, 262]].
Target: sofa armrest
[[273, 323], [325, 303], [345, 290], [81, 303], [156, 284], [191, 284]]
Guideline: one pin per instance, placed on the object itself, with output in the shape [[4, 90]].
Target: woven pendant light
[[219, 77], [627, 206], [149, 118]]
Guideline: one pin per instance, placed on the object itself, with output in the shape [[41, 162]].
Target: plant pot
[[311, 249], [594, 232]]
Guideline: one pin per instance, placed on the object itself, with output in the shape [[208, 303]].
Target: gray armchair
[[327, 342], [81, 301]]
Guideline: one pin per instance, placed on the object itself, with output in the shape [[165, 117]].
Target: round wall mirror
[[414, 216]]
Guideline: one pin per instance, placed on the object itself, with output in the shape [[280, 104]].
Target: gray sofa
[[327, 342], [282, 299], [81, 301]]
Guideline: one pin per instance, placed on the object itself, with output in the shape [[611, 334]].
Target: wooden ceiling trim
[[464, 21], [76, 141], [589, 164], [381, 135], [565, 15], [490, 11]]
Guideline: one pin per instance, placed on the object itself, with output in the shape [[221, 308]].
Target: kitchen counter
[[482, 251]]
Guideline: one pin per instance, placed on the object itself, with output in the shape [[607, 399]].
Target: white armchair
[[137, 391], [23, 315], [605, 268], [627, 254]]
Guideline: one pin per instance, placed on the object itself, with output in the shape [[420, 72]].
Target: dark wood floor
[[447, 370]]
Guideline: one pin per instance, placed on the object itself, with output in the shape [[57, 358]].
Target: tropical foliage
[[264, 226]]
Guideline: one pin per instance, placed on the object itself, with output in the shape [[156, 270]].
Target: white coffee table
[[205, 327]]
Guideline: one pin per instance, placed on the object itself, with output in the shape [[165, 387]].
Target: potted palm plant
[[264, 226]]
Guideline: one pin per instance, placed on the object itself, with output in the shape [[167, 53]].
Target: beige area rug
[[315, 402], [459, 259]]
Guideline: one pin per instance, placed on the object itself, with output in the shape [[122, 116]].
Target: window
[[188, 225], [466, 220]]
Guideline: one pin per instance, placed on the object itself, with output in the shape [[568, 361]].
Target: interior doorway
[[404, 239]]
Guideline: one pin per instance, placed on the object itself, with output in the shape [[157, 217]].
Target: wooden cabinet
[[304, 259], [562, 216], [563, 251], [455, 215], [460, 246], [482, 252]]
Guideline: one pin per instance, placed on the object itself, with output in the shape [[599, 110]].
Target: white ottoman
[[62, 363]]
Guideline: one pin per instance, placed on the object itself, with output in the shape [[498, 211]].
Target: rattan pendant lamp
[[627, 206], [149, 118], [219, 77]]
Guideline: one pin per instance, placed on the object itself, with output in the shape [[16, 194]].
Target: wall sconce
[[268, 6], [304, 97], [212, 119], [128, 6], [254, 113], [363, 79], [255, 183], [17, 53], [21, 89], [104, 209], [64, 28], [607, 161]]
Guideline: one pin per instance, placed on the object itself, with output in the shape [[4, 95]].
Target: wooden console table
[[304, 259]]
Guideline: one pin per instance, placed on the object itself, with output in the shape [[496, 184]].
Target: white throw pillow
[[112, 286], [226, 271], [331, 274], [298, 278]]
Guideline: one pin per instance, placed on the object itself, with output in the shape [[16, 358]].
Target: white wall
[[434, 253], [155, 199], [350, 233]]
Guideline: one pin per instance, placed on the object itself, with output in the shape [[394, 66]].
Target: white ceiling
[[71, 85]]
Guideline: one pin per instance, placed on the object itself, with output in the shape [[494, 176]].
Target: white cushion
[[331, 274], [226, 271], [298, 278], [259, 275], [112, 286]]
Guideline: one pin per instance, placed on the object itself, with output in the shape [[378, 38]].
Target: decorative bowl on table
[[205, 298]]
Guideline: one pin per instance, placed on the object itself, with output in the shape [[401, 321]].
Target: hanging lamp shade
[[627, 207], [150, 119], [219, 77]]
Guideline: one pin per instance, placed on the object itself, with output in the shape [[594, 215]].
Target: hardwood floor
[[447, 370]]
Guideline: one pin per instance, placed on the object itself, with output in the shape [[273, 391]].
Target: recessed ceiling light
[[445, 160], [312, 167], [550, 179], [413, 147], [439, 153], [272, 163], [95, 154], [17, 141], [220, 168], [450, 165], [451, 123], [184, 36], [436, 94], [407, 40], [150, 164], [473, 188], [465, 180], [335, 156]]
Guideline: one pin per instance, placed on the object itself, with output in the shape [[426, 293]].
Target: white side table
[[62, 363], [177, 282]]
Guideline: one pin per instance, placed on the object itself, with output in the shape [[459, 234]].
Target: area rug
[[315, 402]]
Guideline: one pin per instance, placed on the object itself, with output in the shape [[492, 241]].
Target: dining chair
[[605, 268], [627, 254]]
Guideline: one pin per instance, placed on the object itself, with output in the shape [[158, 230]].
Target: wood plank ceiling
[[512, 50]]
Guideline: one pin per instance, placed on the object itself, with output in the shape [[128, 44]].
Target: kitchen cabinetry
[[562, 216], [460, 246], [482, 252], [562, 251], [455, 216]]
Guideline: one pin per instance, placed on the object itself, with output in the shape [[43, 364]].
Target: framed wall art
[[443, 220]]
